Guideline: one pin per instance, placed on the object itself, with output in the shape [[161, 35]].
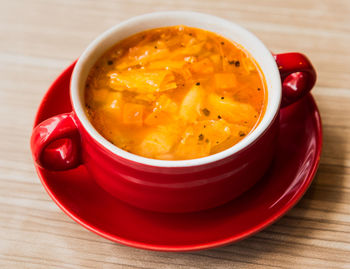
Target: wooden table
[[39, 38]]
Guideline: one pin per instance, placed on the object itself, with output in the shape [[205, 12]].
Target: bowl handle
[[297, 74], [55, 143]]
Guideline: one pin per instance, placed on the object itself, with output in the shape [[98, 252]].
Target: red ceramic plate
[[292, 171]]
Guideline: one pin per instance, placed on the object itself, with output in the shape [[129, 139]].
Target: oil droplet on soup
[[175, 93]]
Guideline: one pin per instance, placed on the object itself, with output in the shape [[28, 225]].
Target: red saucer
[[294, 167]]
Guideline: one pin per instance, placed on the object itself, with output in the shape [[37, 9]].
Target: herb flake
[[206, 112], [241, 133], [200, 137]]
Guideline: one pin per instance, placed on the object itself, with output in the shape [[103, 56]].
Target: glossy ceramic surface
[[292, 171], [166, 185], [297, 74]]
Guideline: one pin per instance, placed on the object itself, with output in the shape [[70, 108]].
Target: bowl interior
[[227, 29]]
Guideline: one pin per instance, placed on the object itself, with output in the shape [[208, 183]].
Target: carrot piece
[[225, 80], [133, 114]]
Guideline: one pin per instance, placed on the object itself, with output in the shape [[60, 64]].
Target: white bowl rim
[[274, 90]]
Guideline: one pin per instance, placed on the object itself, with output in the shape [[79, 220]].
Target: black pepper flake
[[222, 98], [198, 83], [222, 43], [219, 117], [183, 85], [217, 142], [207, 140], [88, 106], [255, 116], [206, 112], [237, 64], [87, 85], [156, 116], [155, 47], [190, 34], [231, 62], [259, 89], [200, 137], [205, 126], [241, 133], [109, 62], [245, 122]]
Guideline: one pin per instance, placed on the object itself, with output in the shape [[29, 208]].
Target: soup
[[175, 93]]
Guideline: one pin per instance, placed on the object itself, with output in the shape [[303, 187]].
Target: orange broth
[[175, 93]]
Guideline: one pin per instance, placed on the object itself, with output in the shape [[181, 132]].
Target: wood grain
[[39, 38]]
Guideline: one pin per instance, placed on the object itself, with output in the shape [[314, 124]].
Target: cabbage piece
[[140, 81], [159, 141], [231, 111], [191, 104]]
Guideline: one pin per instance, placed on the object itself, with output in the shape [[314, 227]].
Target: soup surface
[[175, 93]]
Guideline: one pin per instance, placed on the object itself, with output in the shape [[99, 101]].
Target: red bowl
[[172, 186], [297, 156]]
